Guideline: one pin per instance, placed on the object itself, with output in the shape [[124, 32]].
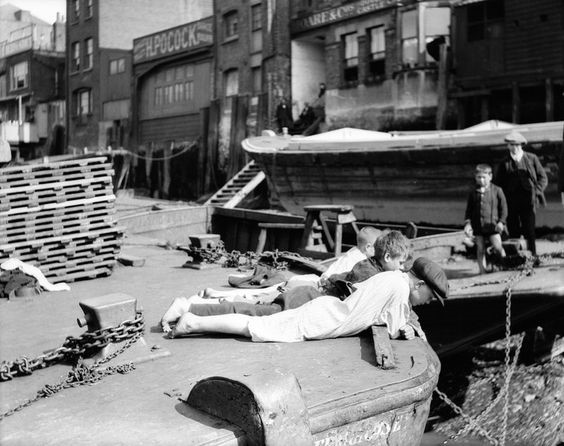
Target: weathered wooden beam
[[383, 347]]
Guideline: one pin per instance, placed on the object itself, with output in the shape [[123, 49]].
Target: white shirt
[[381, 299], [345, 263]]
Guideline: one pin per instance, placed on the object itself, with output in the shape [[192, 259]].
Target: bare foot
[[186, 325], [178, 307]]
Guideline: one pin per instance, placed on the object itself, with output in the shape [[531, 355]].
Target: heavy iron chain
[[72, 348], [80, 376], [473, 422], [83, 374], [236, 258]]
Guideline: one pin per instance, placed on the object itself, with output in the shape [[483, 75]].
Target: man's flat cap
[[515, 138]]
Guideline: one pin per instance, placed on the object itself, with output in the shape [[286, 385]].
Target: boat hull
[[424, 181]]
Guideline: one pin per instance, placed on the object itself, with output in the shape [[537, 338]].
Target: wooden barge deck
[[346, 395]]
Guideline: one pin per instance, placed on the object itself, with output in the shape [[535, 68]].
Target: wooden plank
[[37, 180], [64, 239], [130, 260], [57, 183], [48, 206], [383, 347]]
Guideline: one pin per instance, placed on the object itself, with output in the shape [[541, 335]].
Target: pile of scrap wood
[[60, 217]]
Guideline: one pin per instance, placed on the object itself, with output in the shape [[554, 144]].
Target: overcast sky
[[44, 9]]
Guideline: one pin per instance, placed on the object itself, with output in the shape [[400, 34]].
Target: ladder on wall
[[238, 187]]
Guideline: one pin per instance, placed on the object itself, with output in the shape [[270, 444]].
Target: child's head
[[392, 250], [430, 281], [365, 240], [483, 175]]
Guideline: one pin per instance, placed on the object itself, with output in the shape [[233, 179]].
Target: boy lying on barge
[[383, 299], [389, 251]]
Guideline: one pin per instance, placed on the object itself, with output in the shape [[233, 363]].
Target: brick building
[[100, 38], [172, 72], [32, 61], [508, 61], [372, 55]]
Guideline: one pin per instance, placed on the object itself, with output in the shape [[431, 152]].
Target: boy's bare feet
[[185, 325], [178, 307]]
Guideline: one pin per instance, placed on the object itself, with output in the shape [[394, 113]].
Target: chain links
[[72, 348], [473, 422], [234, 259], [81, 374]]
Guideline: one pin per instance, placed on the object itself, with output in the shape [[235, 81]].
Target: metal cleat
[[114, 311], [107, 311]]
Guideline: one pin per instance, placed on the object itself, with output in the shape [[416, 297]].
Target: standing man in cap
[[384, 299], [523, 180]]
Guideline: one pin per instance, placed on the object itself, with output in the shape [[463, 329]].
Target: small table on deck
[[344, 215]]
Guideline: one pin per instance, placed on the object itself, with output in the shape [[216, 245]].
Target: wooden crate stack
[[60, 217]]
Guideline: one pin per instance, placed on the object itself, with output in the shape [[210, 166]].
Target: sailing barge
[[422, 177]]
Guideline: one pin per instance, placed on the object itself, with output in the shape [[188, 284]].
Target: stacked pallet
[[60, 217]]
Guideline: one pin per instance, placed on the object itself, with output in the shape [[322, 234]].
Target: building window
[[83, 100], [189, 90], [174, 86], [350, 63], [256, 17], [257, 80], [231, 25], [231, 82], [256, 28], [18, 75], [377, 56], [75, 10], [75, 62], [88, 54], [159, 96], [117, 66], [437, 25], [89, 8], [409, 41], [485, 20]]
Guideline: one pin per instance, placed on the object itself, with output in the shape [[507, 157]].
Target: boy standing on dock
[[486, 214]]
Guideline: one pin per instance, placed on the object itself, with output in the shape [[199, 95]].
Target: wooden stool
[[264, 227], [344, 215]]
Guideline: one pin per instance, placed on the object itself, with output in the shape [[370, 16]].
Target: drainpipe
[[20, 110]]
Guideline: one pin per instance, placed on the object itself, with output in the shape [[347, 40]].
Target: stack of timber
[[60, 217]]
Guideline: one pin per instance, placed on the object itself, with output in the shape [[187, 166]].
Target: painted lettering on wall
[[174, 40], [340, 13]]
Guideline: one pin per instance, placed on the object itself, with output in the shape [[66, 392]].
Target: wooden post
[[442, 85], [203, 150], [516, 103], [213, 131], [383, 347], [549, 99]]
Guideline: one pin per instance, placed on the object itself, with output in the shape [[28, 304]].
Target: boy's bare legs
[[237, 324], [180, 306], [497, 244], [210, 293], [481, 253]]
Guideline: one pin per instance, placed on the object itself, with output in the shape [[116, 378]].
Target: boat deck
[[338, 378]]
